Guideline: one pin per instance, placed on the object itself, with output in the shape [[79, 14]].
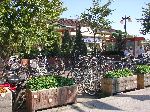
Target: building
[[87, 33]]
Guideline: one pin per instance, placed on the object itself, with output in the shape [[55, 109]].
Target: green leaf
[[119, 73], [24, 23], [46, 82]]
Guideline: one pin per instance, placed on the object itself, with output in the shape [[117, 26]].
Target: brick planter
[[52, 97], [6, 102], [111, 86], [143, 80]]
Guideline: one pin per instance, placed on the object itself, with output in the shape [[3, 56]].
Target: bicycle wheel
[[19, 101], [88, 82], [76, 75], [23, 73], [90, 87]]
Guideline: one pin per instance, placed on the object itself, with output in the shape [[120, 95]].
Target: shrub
[[142, 69], [46, 82], [120, 53], [119, 73]]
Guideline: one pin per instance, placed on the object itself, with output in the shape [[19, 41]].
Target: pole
[[125, 28], [134, 47], [94, 44], [125, 25]]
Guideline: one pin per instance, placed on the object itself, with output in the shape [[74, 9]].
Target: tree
[[145, 20], [96, 17], [66, 46], [79, 47], [120, 39], [26, 23]]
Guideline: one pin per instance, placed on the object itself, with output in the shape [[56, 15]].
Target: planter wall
[[52, 97], [143, 80], [111, 86], [6, 102]]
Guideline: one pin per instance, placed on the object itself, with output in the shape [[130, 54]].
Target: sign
[[91, 40]]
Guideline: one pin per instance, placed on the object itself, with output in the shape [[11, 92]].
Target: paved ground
[[133, 101]]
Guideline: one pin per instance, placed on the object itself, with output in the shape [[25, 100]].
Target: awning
[[135, 39], [91, 40]]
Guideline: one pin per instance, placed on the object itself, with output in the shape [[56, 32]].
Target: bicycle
[[38, 66], [15, 76]]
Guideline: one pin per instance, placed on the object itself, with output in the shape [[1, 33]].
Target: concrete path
[[133, 101]]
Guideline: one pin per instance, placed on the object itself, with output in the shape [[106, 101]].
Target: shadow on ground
[[99, 105], [93, 103], [137, 97], [83, 95]]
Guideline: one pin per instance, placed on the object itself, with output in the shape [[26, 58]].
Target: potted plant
[[143, 76], [118, 81], [49, 91]]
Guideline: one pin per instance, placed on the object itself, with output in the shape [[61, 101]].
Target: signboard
[[91, 40]]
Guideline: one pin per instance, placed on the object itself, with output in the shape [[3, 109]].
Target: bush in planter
[[119, 73], [49, 91], [118, 81], [143, 76], [142, 69], [46, 82]]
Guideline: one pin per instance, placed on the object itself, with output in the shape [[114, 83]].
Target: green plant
[[120, 39], [142, 69], [119, 73], [46, 82], [26, 23], [66, 46], [24, 55], [79, 47], [33, 54], [96, 17], [145, 20]]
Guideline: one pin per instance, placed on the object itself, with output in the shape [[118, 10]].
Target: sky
[[132, 8]]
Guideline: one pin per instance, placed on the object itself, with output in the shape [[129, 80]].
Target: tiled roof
[[72, 23], [67, 22]]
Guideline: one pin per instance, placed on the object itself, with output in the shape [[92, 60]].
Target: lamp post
[[125, 23], [125, 28]]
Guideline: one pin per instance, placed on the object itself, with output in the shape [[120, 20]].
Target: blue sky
[[132, 8]]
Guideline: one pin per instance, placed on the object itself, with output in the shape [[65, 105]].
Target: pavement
[[133, 101]]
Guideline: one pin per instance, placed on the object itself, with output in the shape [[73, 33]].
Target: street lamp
[[125, 24]]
